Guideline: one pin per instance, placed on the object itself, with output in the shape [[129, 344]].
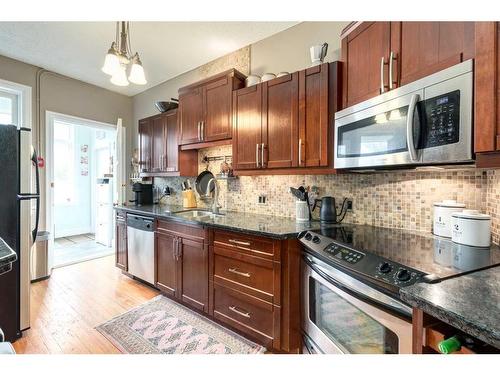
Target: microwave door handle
[[346, 289], [409, 127]]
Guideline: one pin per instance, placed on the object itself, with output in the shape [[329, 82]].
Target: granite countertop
[[7, 256], [265, 225], [470, 303]]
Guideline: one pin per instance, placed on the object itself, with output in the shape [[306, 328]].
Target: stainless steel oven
[[344, 315], [428, 121]]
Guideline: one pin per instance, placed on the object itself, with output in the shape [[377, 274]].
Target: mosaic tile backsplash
[[396, 199]]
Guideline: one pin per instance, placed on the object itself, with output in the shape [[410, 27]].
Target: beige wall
[[284, 51], [68, 96]]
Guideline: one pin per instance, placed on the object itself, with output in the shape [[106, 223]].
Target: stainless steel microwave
[[425, 122]]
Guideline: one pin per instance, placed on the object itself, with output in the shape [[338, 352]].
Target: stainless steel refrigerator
[[18, 194]]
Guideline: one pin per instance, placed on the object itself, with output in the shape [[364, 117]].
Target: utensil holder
[[188, 199], [301, 211]]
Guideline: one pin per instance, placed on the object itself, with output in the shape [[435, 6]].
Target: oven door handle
[[409, 127], [350, 291]]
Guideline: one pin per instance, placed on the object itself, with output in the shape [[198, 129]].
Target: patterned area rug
[[161, 326]]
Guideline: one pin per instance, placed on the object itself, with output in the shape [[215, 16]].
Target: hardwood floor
[[66, 308]]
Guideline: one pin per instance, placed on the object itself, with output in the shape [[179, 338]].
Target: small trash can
[[40, 257]]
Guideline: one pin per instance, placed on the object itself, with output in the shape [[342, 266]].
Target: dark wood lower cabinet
[[166, 263], [193, 262]]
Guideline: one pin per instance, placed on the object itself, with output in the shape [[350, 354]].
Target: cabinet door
[[217, 105], [280, 114], [172, 142], [247, 122], [194, 273], [191, 115], [363, 50], [121, 244], [166, 263], [158, 143], [428, 47], [313, 117], [145, 145]]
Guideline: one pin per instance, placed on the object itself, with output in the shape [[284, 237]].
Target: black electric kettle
[[328, 211]]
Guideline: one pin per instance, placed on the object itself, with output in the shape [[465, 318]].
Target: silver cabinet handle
[[235, 271], [239, 242], [409, 127], [239, 312], [391, 59], [262, 154], [382, 85], [257, 155], [202, 130], [199, 138], [300, 152], [174, 250]]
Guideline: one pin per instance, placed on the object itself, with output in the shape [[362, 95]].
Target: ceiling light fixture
[[120, 56]]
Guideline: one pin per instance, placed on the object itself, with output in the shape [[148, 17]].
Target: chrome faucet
[[215, 202]]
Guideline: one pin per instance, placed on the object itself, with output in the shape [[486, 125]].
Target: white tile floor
[[74, 249]]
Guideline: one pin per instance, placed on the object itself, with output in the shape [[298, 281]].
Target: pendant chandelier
[[119, 59]]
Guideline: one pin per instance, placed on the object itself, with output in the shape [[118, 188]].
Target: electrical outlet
[[349, 205], [262, 199]]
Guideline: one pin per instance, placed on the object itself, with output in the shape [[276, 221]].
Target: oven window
[[382, 134], [347, 326]]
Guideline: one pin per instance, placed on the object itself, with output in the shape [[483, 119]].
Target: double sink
[[196, 213]]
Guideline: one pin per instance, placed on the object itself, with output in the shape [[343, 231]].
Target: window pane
[[5, 110]]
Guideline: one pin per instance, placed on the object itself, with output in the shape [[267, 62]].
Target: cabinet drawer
[[192, 232], [245, 313], [255, 245], [254, 276]]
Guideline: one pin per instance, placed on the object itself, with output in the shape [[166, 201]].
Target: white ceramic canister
[[442, 216], [252, 80], [472, 228], [301, 211]]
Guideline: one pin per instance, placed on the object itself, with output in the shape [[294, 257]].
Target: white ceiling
[[167, 49]]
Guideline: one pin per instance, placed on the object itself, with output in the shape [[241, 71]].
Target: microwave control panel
[[442, 115]]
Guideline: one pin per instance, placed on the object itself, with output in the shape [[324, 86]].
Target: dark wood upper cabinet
[[247, 122], [283, 125], [166, 249], [193, 264], [280, 111], [205, 108], [381, 56], [313, 117], [190, 115], [159, 148], [428, 47], [171, 142], [366, 52], [145, 138], [121, 259]]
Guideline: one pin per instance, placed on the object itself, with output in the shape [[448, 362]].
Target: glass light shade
[[120, 77], [395, 115], [381, 118], [137, 73], [111, 62]]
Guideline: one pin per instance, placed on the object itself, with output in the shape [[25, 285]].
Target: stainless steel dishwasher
[[140, 243]]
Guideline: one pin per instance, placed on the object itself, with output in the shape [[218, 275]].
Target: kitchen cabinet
[[145, 140], [121, 241], [205, 108], [247, 118], [280, 111], [159, 148], [381, 56], [182, 263], [428, 47], [282, 125]]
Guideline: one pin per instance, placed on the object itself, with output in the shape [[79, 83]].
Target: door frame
[[50, 116]]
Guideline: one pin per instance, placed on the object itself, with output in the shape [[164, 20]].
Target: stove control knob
[[316, 239], [308, 236], [385, 267], [403, 275]]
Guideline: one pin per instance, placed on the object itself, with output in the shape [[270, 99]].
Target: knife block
[[188, 199]]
